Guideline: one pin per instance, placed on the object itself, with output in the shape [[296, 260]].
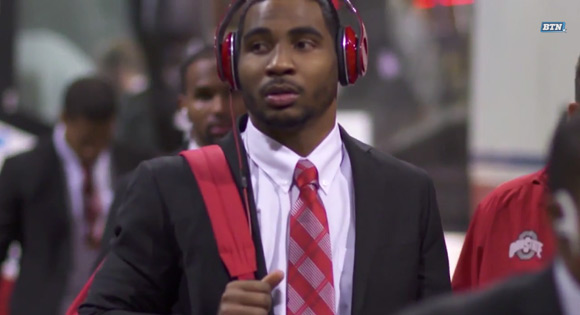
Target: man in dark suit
[[54, 199], [556, 289], [364, 236], [204, 100]]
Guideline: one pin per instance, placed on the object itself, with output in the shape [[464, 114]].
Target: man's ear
[[573, 109]]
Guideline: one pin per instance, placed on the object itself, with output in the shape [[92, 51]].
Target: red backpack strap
[[224, 207], [226, 213], [82, 296]]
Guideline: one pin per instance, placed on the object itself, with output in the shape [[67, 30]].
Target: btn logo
[[553, 27], [526, 246]]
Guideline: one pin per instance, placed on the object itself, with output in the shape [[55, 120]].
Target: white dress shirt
[[272, 170], [75, 176], [568, 289]]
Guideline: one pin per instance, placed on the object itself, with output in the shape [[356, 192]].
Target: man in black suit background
[[556, 289], [385, 244], [54, 199], [204, 99]]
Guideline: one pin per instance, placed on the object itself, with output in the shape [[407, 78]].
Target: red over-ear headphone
[[352, 52]]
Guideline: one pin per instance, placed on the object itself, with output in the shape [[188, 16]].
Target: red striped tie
[[92, 209], [310, 285]]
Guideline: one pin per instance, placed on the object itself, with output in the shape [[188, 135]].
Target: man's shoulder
[[512, 192], [523, 182], [164, 165], [391, 165], [30, 159]]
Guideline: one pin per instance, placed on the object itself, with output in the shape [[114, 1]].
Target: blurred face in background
[[206, 99], [88, 138]]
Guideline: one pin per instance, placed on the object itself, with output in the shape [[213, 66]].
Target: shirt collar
[[278, 161], [192, 145], [64, 151], [541, 177], [567, 287], [68, 155]]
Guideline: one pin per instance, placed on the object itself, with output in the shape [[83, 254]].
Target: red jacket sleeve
[[468, 267]]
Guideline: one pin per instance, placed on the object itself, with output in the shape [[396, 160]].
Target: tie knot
[[305, 174]]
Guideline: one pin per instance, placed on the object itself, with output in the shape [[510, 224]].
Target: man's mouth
[[219, 130], [281, 95]]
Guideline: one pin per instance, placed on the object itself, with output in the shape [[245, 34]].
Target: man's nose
[[281, 62], [219, 104]]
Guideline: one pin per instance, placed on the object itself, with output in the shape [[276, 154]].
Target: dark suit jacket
[[532, 294], [121, 189], [34, 211], [164, 250]]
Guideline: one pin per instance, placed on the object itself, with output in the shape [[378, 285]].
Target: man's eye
[[305, 45], [258, 47], [204, 95]]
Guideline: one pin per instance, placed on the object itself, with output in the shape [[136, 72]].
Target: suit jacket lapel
[[228, 145], [373, 191], [366, 225]]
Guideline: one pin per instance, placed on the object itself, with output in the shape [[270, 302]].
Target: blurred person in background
[[509, 233], [555, 290], [55, 198], [205, 98], [124, 65], [204, 102]]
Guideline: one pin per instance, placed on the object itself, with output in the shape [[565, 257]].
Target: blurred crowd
[[157, 92]]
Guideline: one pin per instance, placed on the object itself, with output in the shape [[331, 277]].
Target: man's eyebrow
[[305, 30], [256, 31]]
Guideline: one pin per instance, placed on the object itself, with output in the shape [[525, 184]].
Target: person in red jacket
[[510, 232]]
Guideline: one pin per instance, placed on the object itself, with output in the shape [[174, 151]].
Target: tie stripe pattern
[[310, 285]]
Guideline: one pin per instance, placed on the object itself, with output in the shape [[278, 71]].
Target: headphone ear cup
[[226, 60], [341, 57], [234, 61], [351, 55]]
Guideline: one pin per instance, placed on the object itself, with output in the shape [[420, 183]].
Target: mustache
[[280, 82]]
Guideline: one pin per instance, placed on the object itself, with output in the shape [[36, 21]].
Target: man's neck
[[304, 139], [193, 137]]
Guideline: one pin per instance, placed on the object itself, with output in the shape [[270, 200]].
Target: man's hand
[[250, 297]]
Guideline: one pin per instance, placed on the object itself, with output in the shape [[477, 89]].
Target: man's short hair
[[564, 158], [329, 13], [92, 98], [205, 52]]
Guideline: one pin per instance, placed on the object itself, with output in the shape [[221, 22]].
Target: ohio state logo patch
[[526, 246]]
